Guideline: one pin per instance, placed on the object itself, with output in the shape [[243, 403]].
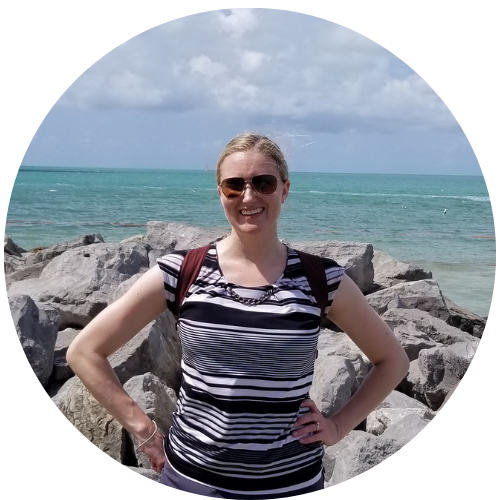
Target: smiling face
[[252, 212]]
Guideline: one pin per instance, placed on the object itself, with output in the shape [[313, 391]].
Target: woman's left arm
[[351, 312]]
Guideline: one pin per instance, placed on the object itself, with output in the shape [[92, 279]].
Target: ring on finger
[[317, 426]]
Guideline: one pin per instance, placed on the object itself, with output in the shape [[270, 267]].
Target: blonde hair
[[247, 141]]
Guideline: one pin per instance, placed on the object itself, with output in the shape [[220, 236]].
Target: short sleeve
[[334, 273], [170, 266]]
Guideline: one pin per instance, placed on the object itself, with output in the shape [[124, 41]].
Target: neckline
[[258, 287]]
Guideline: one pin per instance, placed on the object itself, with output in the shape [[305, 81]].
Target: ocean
[[443, 223]]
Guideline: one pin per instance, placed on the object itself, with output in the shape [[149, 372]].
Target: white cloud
[[252, 61], [237, 22], [204, 65]]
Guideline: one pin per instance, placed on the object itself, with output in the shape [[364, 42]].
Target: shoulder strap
[[190, 268], [315, 274]]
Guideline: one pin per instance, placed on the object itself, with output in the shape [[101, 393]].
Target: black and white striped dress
[[246, 370]]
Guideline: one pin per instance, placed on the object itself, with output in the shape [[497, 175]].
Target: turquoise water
[[402, 215]]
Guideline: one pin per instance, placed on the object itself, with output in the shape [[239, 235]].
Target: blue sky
[[172, 96]]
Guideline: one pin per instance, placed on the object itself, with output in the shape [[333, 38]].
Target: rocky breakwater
[[54, 292]]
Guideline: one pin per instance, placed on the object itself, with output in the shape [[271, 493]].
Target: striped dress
[[245, 371]]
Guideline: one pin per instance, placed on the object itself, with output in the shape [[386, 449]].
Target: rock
[[334, 379], [385, 299], [413, 340], [465, 320], [62, 370], [355, 257], [380, 420], [47, 254], [436, 329], [403, 430], [24, 272], [156, 400], [78, 283], [155, 349], [389, 271], [361, 454], [168, 236], [36, 325], [424, 295], [437, 371], [10, 248], [92, 420]]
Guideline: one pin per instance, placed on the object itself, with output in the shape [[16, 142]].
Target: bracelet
[[150, 437]]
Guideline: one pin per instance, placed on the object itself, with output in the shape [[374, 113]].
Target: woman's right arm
[[105, 334]]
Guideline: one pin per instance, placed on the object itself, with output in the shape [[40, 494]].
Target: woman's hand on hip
[[155, 451], [314, 427]]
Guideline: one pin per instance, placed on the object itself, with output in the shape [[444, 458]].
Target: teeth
[[252, 212]]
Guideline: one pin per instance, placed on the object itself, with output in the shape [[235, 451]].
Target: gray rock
[[389, 272], [361, 454], [413, 340], [355, 257], [465, 320], [397, 399], [10, 248], [156, 349], [78, 282], [91, 419], [168, 236], [382, 419], [24, 272], [404, 429], [385, 299], [436, 329], [424, 295], [62, 370], [156, 400], [36, 325], [437, 371]]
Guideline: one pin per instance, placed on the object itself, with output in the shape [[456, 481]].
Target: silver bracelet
[[150, 437]]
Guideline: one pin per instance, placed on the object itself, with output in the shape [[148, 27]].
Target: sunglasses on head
[[262, 184]]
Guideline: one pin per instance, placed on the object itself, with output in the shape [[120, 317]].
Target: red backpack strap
[[190, 268], [314, 271]]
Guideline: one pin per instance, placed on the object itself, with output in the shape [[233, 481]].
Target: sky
[[173, 96]]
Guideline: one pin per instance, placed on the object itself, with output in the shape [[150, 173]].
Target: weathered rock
[[167, 236], [380, 420], [421, 321], [424, 295], [385, 299], [465, 320], [355, 257], [49, 253], [78, 282], [36, 325], [10, 248], [437, 371], [156, 349], [403, 430], [156, 400], [23, 272], [389, 272], [361, 454], [91, 419], [62, 370], [334, 380], [413, 340]]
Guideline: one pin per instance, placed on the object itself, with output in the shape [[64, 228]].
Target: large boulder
[[437, 371], [465, 320], [10, 248], [424, 295], [355, 257], [92, 420], [385, 299], [156, 400], [168, 236], [361, 453], [62, 371], [78, 282], [388, 271], [36, 325]]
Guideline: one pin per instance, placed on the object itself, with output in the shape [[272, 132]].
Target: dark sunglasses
[[263, 184]]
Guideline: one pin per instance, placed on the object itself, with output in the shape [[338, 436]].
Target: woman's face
[[252, 212]]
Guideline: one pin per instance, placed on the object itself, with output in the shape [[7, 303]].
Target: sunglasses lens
[[233, 186], [265, 184]]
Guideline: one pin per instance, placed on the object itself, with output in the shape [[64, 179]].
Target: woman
[[244, 426]]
